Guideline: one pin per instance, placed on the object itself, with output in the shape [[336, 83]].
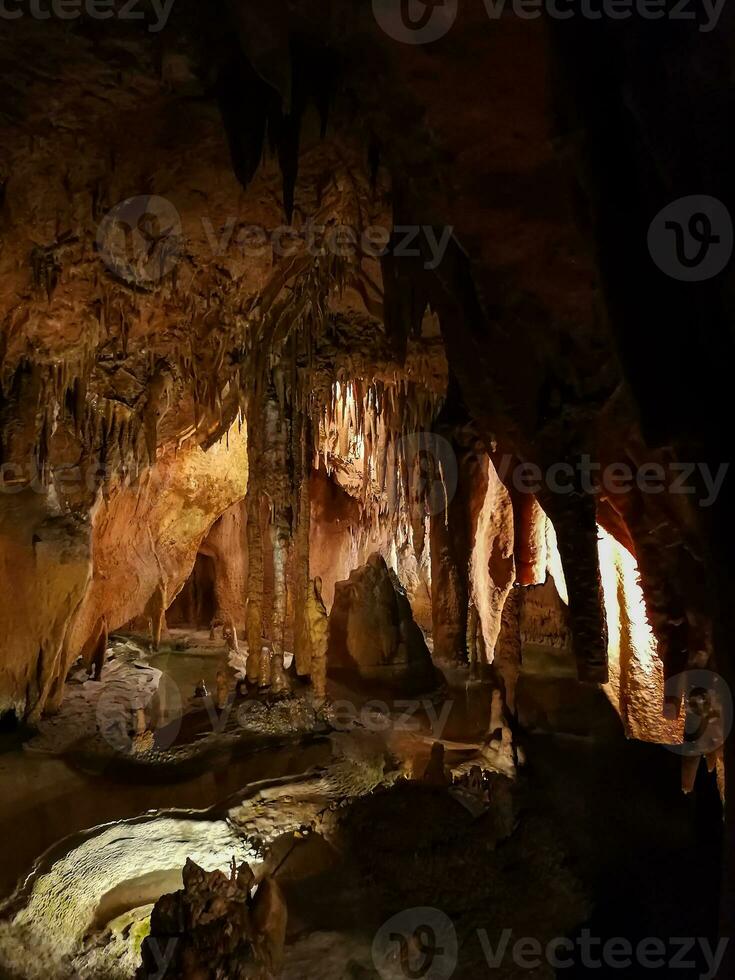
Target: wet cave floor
[[592, 834], [48, 794]]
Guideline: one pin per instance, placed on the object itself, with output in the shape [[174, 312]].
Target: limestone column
[[575, 521]]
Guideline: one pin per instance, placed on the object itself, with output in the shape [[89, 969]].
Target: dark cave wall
[[648, 107]]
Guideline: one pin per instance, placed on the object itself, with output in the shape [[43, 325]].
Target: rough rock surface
[[213, 927], [373, 633], [61, 899], [147, 537]]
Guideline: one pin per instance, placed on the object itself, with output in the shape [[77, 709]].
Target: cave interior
[[365, 525]]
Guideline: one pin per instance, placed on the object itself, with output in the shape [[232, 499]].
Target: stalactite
[[244, 100], [156, 405]]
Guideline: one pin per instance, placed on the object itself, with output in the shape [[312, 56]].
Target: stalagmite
[[99, 649], [222, 689], [139, 720], [474, 635], [497, 715], [507, 660], [279, 683], [156, 612], [435, 773], [270, 916], [143, 739], [318, 627], [498, 745], [264, 667], [229, 633]]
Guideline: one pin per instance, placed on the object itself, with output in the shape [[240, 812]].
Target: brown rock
[[372, 631]]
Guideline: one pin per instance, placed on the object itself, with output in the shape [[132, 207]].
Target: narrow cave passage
[[366, 548]]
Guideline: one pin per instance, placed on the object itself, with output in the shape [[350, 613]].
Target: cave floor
[[594, 832], [44, 799], [586, 852], [52, 787]]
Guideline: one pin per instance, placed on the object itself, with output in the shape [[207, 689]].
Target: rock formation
[[213, 928], [317, 625], [372, 631]]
